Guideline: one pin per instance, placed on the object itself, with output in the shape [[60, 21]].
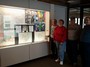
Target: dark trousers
[[72, 49], [53, 48], [85, 54]]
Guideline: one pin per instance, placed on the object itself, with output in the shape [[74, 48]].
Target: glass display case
[[22, 25]]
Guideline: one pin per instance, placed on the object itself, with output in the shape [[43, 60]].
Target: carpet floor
[[44, 62]]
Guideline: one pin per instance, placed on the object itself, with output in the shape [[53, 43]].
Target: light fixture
[[70, 1], [73, 1]]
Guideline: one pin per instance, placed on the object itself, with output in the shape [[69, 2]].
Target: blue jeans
[[61, 48]]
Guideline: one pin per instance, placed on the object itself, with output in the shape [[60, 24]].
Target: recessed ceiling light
[[71, 1]]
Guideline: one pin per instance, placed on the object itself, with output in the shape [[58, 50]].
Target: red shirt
[[60, 34]]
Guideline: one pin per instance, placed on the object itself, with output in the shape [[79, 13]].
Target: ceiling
[[76, 12], [67, 2]]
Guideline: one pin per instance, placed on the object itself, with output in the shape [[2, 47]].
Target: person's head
[[53, 22], [87, 20], [61, 22], [72, 20]]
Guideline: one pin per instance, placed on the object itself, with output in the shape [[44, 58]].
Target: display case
[[22, 25]]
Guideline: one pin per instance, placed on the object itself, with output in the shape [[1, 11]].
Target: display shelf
[[11, 46]]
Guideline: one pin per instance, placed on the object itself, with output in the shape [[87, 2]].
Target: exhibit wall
[[33, 4]]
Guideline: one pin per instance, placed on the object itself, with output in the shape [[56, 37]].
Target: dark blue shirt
[[85, 35]]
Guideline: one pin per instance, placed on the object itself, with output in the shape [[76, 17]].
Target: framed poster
[[39, 27]]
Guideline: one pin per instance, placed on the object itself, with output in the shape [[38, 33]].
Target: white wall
[[52, 11], [34, 4], [39, 5], [60, 12], [17, 3]]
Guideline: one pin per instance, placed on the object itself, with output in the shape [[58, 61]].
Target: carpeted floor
[[44, 62]]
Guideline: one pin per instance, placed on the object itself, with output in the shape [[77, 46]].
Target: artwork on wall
[[34, 16], [30, 16], [39, 27]]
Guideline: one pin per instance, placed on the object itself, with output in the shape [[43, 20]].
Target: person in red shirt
[[60, 40]]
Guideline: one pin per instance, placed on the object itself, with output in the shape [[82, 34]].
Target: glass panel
[[9, 17], [21, 25]]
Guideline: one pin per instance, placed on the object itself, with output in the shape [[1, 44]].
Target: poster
[[34, 16], [39, 27]]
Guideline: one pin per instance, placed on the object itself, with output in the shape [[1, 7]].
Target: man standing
[[73, 37]]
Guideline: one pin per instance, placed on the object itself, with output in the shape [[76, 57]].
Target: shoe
[[61, 62], [56, 60]]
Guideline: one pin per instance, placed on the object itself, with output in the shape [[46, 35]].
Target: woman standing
[[60, 40], [52, 44], [85, 43]]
